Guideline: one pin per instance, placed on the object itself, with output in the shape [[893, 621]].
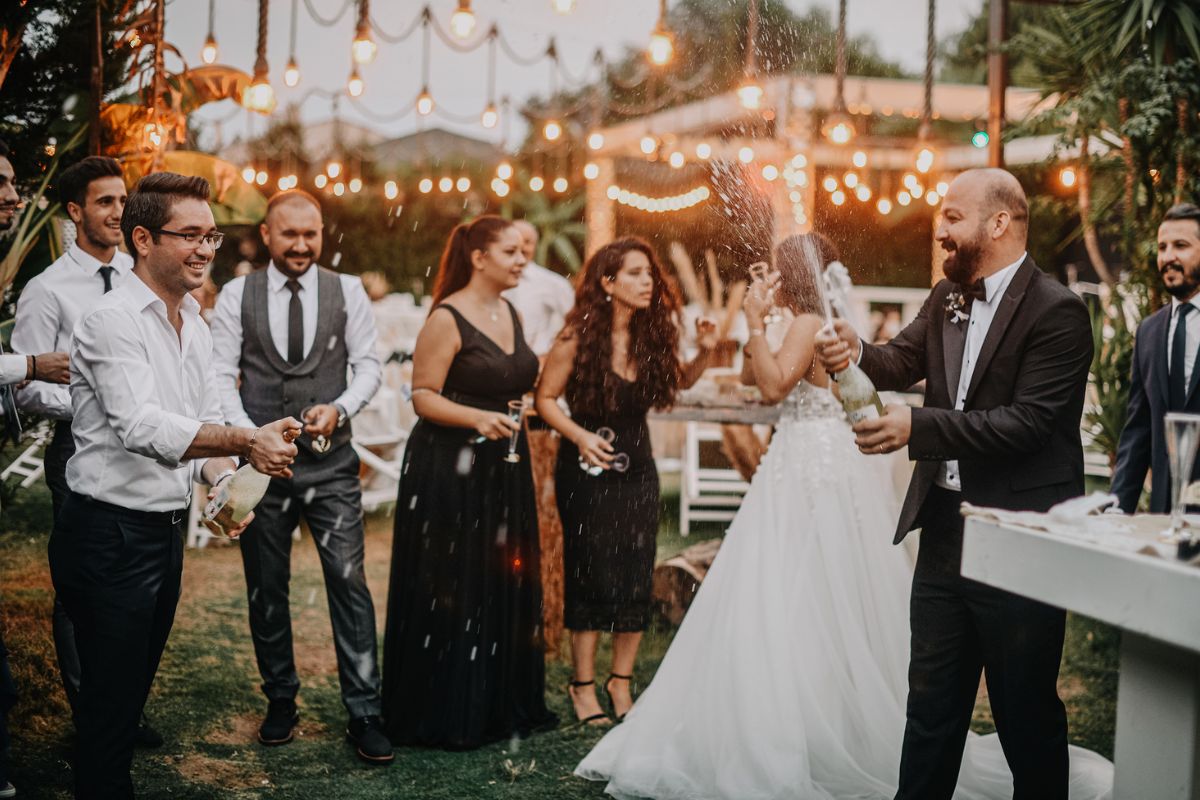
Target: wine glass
[[516, 412], [320, 443], [1183, 436], [608, 435]]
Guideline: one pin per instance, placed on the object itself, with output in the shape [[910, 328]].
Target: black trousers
[[118, 573], [58, 452], [328, 495], [960, 627]]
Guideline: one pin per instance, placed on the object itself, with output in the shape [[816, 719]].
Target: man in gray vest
[[289, 332]]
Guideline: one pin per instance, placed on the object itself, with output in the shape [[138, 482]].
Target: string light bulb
[[703, 150], [425, 186], [363, 47], [884, 205], [490, 117], [649, 144], [860, 159], [591, 171], [536, 183], [750, 93], [1066, 177], [463, 184], [560, 184], [445, 184], [356, 185], [504, 171], [391, 190], [259, 96], [662, 47], [463, 20], [746, 154], [355, 84], [924, 160], [676, 160], [552, 130], [425, 102], [563, 6], [333, 169], [291, 73], [595, 140], [209, 52], [321, 180], [248, 174], [770, 172]]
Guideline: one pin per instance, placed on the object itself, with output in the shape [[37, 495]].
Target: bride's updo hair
[[794, 260]]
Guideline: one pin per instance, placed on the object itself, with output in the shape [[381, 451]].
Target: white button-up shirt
[[47, 312], [982, 313], [543, 298], [140, 393], [1191, 340], [13, 369], [366, 372]]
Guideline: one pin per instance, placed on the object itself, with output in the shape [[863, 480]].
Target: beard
[[1185, 288], [99, 234], [962, 263]]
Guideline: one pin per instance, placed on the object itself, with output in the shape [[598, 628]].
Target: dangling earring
[[608, 298]]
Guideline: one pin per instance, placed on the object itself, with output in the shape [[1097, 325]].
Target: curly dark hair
[[653, 336]]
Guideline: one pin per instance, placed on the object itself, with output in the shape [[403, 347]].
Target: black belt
[[172, 517]]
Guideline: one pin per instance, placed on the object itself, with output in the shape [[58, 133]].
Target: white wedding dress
[[788, 676]]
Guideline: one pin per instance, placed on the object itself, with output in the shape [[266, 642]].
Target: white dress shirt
[[982, 313], [1191, 337], [140, 393], [543, 298], [366, 372], [47, 311], [13, 369]]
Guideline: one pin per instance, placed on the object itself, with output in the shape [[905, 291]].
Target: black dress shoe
[[281, 719], [146, 737], [366, 734]]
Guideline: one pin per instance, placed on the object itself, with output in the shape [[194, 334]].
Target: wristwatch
[[342, 415]]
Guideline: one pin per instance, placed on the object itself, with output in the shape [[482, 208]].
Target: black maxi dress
[[463, 647], [610, 524]]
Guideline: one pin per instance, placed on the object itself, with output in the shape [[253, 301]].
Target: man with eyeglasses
[[283, 341], [147, 422], [93, 194]]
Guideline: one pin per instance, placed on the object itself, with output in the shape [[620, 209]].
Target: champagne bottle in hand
[[234, 501], [857, 393]]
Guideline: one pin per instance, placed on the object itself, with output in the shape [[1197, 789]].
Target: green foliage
[[1112, 360]]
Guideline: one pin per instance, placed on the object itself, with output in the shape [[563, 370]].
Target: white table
[[1156, 603]]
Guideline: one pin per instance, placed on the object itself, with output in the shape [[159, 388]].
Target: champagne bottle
[[234, 501], [858, 395]]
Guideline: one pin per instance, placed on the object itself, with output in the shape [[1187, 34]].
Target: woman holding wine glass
[[617, 358], [463, 656]]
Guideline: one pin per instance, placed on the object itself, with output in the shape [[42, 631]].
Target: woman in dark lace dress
[[463, 654], [616, 359]]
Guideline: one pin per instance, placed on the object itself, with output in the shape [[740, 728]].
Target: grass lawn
[[207, 704]]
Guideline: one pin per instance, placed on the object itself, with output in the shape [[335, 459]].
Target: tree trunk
[[1091, 241], [10, 43], [677, 579], [1130, 177]]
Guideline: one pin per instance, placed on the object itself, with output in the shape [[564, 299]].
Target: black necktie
[[295, 352], [1176, 382], [106, 272]]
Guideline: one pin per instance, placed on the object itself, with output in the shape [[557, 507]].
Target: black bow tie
[[975, 291]]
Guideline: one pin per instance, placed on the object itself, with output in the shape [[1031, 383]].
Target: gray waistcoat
[[271, 387]]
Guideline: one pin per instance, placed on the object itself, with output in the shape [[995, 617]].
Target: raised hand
[[706, 333], [320, 420], [495, 425], [271, 451], [836, 348]]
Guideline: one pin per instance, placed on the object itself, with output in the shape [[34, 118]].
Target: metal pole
[[997, 79]]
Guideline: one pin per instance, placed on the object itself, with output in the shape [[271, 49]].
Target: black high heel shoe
[[612, 676], [594, 718]]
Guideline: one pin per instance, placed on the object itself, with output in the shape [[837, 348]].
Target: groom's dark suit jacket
[[1143, 440], [1017, 440]]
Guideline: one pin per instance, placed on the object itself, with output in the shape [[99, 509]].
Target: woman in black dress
[[616, 358], [463, 653]]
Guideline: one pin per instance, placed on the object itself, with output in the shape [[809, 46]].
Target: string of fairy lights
[[462, 33]]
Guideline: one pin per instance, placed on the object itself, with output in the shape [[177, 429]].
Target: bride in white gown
[[787, 678]]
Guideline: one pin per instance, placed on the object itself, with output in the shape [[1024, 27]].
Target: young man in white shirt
[[93, 194], [147, 423], [543, 297]]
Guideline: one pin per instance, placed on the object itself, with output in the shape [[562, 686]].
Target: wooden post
[[997, 79], [599, 212]]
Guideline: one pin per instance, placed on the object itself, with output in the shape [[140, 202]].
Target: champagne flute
[[516, 412], [608, 435], [761, 271], [1183, 437]]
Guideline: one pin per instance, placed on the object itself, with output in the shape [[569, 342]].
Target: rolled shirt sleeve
[[226, 325], [35, 330], [108, 352], [366, 371], [13, 369]]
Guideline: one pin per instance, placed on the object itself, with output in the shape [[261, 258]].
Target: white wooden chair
[[29, 465], [706, 493]]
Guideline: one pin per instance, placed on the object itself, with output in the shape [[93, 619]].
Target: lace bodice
[[808, 402]]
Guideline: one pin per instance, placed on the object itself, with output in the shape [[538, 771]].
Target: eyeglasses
[[213, 240]]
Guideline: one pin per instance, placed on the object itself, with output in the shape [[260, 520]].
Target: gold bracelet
[[250, 447]]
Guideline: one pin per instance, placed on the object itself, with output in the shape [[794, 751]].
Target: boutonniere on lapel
[[957, 308]]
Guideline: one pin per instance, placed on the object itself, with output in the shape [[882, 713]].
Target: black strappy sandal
[[612, 676], [594, 718]]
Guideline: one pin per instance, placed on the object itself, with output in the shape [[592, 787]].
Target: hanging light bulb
[[209, 52], [750, 93], [746, 154], [355, 85], [363, 47], [391, 190], [536, 183], [560, 184], [259, 96], [356, 185], [676, 160], [563, 6], [425, 186], [261, 177], [591, 171], [320, 181], [838, 128], [425, 102], [490, 117], [552, 130], [1066, 177], [649, 144], [662, 47], [703, 150], [884, 205], [333, 169], [463, 184], [860, 159], [446, 184], [463, 20], [924, 160], [248, 174], [339, 188], [291, 74]]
